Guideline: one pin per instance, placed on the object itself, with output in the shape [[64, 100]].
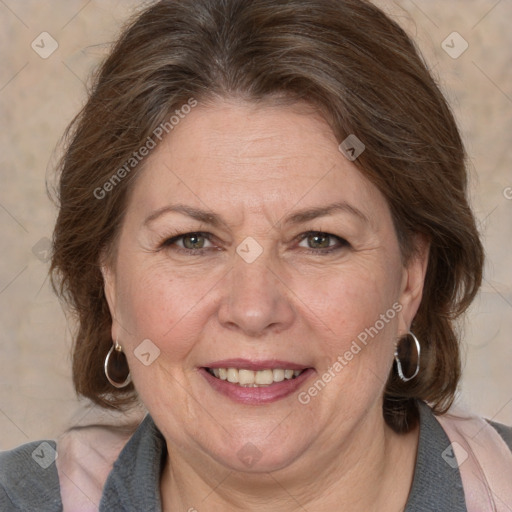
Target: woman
[[265, 236]]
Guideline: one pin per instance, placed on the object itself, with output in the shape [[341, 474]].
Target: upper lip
[[255, 365]]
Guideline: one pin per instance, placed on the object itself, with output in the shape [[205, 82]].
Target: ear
[[413, 280], [109, 280]]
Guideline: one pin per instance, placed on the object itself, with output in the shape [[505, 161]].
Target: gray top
[[134, 482]]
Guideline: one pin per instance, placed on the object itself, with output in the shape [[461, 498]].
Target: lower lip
[[255, 396]]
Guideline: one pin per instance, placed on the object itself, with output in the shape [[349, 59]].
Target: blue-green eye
[[320, 242], [194, 241], [189, 242]]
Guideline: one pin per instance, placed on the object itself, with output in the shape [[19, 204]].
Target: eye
[[189, 242], [320, 243]]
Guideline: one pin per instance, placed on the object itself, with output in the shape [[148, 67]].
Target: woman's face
[[290, 262]]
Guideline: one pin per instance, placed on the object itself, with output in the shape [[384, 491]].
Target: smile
[[255, 383], [251, 378]]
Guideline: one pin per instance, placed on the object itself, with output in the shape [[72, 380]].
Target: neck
[[372, 469]]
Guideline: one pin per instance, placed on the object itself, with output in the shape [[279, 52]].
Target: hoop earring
[[399, 368], [118, 366]]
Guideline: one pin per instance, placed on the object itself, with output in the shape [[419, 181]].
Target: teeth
[[263, 377], [245, 377], [250, 378], [278, 375], [233, 375]]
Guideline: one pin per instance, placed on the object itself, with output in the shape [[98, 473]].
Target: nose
[[256, 300]]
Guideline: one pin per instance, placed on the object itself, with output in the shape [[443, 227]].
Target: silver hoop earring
[[399, 368], [118, 364]]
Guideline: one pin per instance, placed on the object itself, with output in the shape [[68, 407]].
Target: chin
[[258, 457]]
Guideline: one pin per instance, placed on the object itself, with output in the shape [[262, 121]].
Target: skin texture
[[254, 166]]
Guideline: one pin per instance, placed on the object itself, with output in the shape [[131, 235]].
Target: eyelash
[[169, 242]]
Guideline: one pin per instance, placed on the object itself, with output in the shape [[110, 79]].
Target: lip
[[256, 396], [251, 364]]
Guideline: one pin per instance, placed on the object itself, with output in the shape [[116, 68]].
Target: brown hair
[[345, 57]]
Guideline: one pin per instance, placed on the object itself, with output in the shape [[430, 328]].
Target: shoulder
[[481, 451], [85, 458], [461, 421], [29, 478], [464, 458], [504, 431], [68, 473], [437, 485], [133, 483]]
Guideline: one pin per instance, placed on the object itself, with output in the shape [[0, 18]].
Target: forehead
[[240, 155]]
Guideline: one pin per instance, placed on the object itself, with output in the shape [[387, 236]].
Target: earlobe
[[413, 281]]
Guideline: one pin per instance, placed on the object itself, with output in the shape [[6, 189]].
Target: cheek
[[158, 304], [355, 324], [345, 303]]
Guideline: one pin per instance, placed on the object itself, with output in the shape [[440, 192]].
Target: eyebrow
[[196, 213], [308, 214], [299, 217]]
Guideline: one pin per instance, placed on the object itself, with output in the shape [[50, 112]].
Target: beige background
[[38, 97]]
